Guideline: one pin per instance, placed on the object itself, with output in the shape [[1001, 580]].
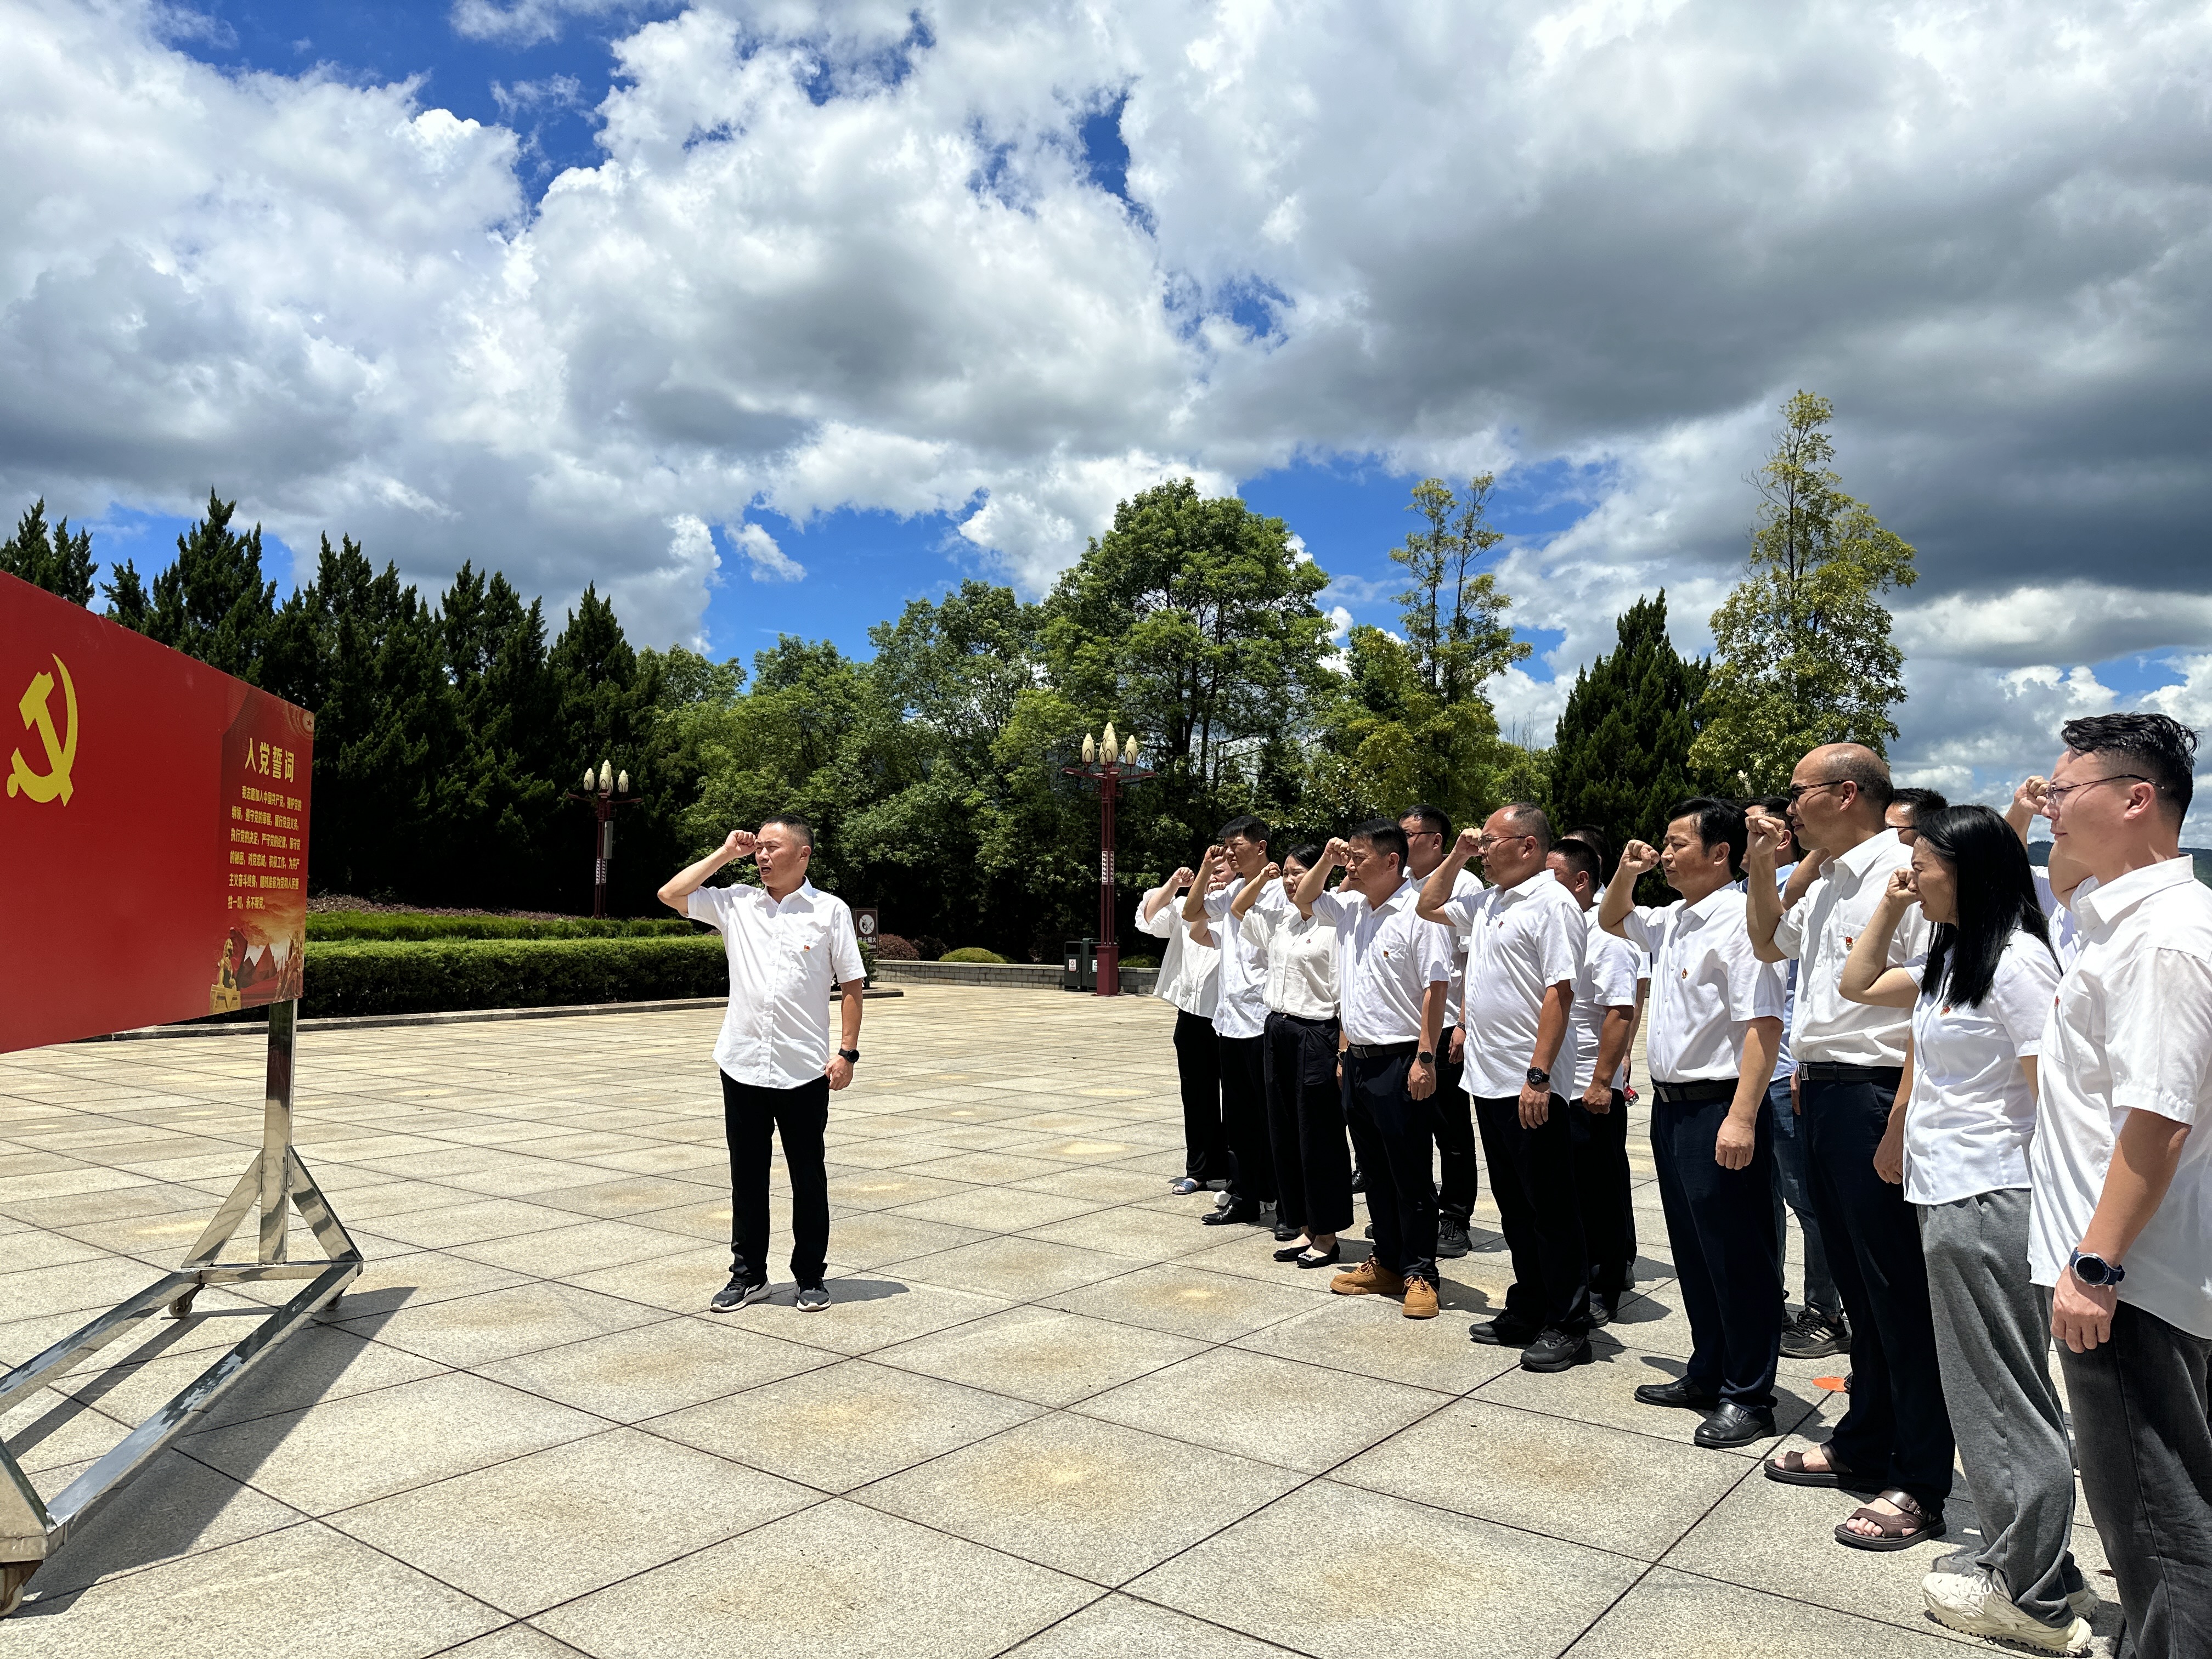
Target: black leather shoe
[[1283, 1234], [1677, 1393], [1232, 1215], [1555, 1351], [1368, 1231], [1451, 1238], [1733, 1425], [1358, 1181], [1291, 1255], [1502, 1333], [1600, 1315]]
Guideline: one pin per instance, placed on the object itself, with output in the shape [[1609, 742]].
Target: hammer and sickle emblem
[[53, 783]]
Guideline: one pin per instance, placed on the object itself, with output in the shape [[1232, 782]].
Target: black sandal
[[1789, 1467], [1329, 1258], [1898, 1532]]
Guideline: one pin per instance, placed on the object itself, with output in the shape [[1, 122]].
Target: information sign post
[[163, 807]]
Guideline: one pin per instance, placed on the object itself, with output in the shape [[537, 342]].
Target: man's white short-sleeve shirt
[[1190, 972], [1820, 929], [1241, 1011], [1455, 999], [1522, 940], [783, 959], [1611, 967], [2131, 1027], [1707, 986], [1387, 958]]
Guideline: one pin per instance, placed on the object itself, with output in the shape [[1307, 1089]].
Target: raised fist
[[1182, 878], [2030, 795], [1469, 841], [740, 845], [1213, 854], [1338, 851], [1768, 833], [1904, 887], [1639, 857], [1270, 873]]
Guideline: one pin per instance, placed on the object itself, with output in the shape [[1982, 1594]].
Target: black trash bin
[[1079, 965]]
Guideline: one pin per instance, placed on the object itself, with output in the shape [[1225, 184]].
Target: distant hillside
[[2038, 854]]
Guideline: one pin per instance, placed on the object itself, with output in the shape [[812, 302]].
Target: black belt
[[1301, 1020], [1829, 1071], [1695, 1094], [1382, 1050]]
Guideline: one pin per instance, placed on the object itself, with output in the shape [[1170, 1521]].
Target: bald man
[[1896, 1437]]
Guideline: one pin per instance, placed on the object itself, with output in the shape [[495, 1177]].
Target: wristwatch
[[850, 1056], [2095, 1270], [1539, 1077], [1426, 1057]]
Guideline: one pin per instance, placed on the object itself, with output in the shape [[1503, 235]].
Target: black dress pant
[[1897, 1430], [750, 1114], [1532, 1176], [1728, 1260], [1457, 1168], [1198, 1068], [1306, 1125], [1244, 1118], [1602, 1192], [1392, 1132]]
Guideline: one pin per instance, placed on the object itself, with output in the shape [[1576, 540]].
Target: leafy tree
[[1459, 645], [1622, 755], [1803, 647], [211, 603], [55, 559]]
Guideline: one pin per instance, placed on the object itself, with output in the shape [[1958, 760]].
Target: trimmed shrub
[[384, 977], [890, 947], [381, 925], [971, 954], [1140, 962], [930, 948]]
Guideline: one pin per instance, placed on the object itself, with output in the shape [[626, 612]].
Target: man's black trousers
[[1532, 1176], [1306, 1125], [1198, 1068], [1727, 1260], [1897, 1430], [1244, 1118], [1457, 1168], [1602, 1192], [1392, 1132], [750, 1116]]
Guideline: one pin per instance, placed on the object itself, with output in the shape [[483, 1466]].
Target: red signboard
[[152, 829]]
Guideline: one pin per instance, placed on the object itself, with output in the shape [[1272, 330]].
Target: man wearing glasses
[[1896, 1437], [2120, 1221], [1428, 832]]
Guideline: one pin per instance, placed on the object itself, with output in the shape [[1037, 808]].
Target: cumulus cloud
[[855, 255]]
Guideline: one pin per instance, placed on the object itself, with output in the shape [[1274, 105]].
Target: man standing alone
[[787, 943], [1525, 945]]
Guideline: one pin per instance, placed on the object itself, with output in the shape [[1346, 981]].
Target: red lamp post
[[1109, 769], [603, 792]]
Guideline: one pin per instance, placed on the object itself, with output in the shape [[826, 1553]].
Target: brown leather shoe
[[1420, 1299], [1370, 1277]]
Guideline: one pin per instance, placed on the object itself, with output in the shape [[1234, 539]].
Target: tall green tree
[[52, 557], [211, 603], [1622, 755], [1801, 646], [1454, 616]]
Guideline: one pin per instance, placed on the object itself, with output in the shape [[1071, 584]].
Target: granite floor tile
[[1040, 1354], [1672, 1615], [475, 1330], [175, 1507], [1115, 1626], [1210, 1306], [656, 1369], [1018, 1268]]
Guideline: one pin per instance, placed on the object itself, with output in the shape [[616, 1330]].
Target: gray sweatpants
[[1992, 1343]]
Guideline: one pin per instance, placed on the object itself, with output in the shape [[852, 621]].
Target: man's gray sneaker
[[812, 1299], [736, 1294], [1813, 1335], [1452, 1239]]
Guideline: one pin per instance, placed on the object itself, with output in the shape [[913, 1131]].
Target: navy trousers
[[1720, 1224]]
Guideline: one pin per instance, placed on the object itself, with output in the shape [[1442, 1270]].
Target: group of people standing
[[1972, 1081]]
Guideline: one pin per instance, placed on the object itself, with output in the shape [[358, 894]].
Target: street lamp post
[[603, 792], [1111, 769]]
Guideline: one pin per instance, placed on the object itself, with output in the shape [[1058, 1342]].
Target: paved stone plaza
[[1049, 1415]]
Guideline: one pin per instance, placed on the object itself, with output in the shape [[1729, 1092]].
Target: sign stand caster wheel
[[182, 1307], [14, 1577]]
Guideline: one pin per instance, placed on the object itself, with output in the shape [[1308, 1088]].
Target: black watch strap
[[850, 1056], [1426, 1057]]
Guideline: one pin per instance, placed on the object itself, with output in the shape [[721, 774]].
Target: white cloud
[[769, 562]]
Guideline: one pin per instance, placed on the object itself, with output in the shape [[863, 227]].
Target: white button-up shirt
[[1971, 1113], [1465, 882], [1706, 986], [2132, 1027], [1818, 931], [783, 959], [1387, 958], [1522, 940], [1301, 953], [1242, 1010], [2065, 930], [1611, 967], [1190, 972]]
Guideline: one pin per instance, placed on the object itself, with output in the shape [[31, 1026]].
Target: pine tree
[[211, 603], [55, 559], [1802, 652], [1622, 755]]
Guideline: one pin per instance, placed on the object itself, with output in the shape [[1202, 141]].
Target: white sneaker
[[1975, 1604]]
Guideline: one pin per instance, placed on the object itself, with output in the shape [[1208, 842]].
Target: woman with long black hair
[[1958, 1141]]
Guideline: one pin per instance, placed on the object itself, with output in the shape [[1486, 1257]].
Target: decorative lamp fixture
[[1130, 758], [621, 783], [1109, 745], [591, 780], [1090, 750], [607, 777], [1111, 769]]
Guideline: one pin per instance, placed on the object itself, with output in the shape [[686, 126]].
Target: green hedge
[[381, 977], [386, 925], [971, 954]]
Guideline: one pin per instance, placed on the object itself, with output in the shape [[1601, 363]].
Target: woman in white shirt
[[1958, 1139], [1305, 1108]]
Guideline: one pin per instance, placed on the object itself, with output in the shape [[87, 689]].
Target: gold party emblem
[[53, 783]]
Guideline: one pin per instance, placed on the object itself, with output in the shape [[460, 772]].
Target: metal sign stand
[[275, 1183]]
